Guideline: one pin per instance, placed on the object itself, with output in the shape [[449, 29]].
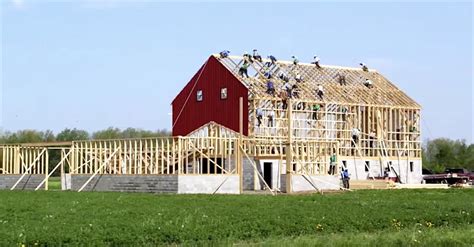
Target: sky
[[92, 64]]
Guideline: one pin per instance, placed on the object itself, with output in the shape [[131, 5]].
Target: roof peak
[[300, 63]]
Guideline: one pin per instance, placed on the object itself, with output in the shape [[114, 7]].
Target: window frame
[[226, 93], [199, 92]]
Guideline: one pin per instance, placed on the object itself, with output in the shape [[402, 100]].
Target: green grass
[[396, 218], [54, 183]]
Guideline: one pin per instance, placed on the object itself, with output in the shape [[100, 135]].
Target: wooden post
[[239, 151], [289, 148]]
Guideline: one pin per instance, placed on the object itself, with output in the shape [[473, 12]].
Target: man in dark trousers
[[345, 178]]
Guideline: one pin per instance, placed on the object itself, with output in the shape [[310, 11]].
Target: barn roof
[[383, 93]]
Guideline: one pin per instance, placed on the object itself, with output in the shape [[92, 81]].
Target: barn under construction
[[279, 127]]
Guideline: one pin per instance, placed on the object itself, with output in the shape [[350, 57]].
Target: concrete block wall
[[29, 182], [127, 183], [249, 174]]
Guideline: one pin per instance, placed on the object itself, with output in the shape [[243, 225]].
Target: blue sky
[[91, 64]]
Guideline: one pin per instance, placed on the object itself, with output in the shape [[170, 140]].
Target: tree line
[[442, 153], [33, 136], [438, 154]]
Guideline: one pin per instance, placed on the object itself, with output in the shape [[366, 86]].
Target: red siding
[[194, 114]]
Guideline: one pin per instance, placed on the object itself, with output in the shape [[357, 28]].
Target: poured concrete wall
[[300, 183], [358, 171], [208, 184], [127, 183], [29, 182]]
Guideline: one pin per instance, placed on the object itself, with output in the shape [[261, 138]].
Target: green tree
[[72, 135], [110, 133]]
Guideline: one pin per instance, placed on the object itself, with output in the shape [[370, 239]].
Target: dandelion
[[319, 227]]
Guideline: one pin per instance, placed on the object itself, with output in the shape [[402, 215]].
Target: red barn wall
[[195, 114]]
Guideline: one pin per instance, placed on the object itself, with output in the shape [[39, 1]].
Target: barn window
[[367, 166], [199, 95], [411, 166], [224, 93]]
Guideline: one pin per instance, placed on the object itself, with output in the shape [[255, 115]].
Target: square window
[[199, 95], [224, 93]]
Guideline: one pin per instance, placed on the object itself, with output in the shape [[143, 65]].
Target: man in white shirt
[[271, 117], [320, 91], [368, 83], [316, 62], [355, 136]]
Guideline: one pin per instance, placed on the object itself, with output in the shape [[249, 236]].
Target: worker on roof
[[259, 113], [368, 83], [270, 88], [320, 91], [256, 56], [287, 87], [243, 69], [295, 92], [272, 61], [283, 77], [295, 60], [341, 79], [298, 77], [224, 53], [284, 99], [316, 61], [268, 75], [247, 57], [364, 67]]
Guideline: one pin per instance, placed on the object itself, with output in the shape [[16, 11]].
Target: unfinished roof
[[383, 93]]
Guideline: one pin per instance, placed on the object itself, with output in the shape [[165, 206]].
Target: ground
[[384, 218]]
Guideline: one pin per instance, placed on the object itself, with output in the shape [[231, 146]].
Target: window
[[367, 165], [224, 93], [411, 166], [199, 95], [344, 164]]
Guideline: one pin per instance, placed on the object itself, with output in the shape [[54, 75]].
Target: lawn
[[384, 218]]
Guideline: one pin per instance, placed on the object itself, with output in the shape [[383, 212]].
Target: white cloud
[[19, 4]]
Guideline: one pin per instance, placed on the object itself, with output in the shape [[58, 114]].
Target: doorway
[[267, 173]]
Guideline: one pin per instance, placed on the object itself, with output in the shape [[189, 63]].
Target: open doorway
[[267, 173]]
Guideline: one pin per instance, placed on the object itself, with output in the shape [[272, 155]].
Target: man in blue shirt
[[345, 178], [224, 54]]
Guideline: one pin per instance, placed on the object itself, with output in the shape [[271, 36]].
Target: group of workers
[[288, 90]]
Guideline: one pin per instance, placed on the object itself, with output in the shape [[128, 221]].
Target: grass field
[[383, 218]]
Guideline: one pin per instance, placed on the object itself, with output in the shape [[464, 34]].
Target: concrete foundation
[[127, 183], [191, 184], [208, 184], [409, 171], [29, 182], [306, 183]]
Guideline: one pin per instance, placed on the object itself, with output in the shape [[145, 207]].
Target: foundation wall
[[127, 183], [192, 184], [29, 182], [208, 184], [304, 183]]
